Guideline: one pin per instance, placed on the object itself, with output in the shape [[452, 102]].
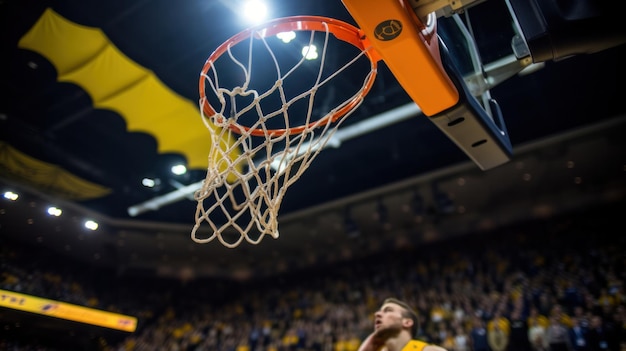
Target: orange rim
[[341, 30]]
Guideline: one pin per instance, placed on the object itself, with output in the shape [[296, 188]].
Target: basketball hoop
[[270, 113]]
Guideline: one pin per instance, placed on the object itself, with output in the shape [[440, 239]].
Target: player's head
[[406, 312]]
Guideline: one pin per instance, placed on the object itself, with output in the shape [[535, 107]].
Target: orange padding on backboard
[[413, 58]]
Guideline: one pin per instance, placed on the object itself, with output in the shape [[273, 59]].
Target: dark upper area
[[66, 140]]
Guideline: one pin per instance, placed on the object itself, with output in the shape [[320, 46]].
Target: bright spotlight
[[148, 182], [54, 211], [91, 225], [9, 195], [179, 169], [310, 52], [255, 11], [286, 37]]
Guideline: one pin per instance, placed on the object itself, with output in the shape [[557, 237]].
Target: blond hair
[[407, 313]]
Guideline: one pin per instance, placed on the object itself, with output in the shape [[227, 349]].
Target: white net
[[264, 133]]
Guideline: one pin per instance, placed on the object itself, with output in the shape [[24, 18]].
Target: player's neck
[[397, 343]]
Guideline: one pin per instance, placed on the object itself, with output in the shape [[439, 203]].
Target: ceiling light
[[310, 52], [255, 11], [179, 169], [9, 195], [286, 37], [54, 211], [91, 225], [149, 182]]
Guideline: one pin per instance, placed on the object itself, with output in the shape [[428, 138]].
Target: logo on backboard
[[388, 30]]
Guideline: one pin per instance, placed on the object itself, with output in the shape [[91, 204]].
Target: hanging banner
[[57, 309]]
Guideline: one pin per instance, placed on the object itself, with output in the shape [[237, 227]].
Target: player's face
[[389, 318]]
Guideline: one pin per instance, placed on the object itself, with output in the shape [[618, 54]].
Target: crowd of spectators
[[555, 284]]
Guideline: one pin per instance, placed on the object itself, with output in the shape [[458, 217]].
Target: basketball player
[[395, 325]]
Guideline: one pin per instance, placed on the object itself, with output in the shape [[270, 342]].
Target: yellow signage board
[[52, 308]]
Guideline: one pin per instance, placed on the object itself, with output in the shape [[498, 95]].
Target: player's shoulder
[[418, 345], [433, 348]]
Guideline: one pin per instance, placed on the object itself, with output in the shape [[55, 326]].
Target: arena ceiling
[[99, 95]]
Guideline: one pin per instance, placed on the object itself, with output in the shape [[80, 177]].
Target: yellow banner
[[67, 311]]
